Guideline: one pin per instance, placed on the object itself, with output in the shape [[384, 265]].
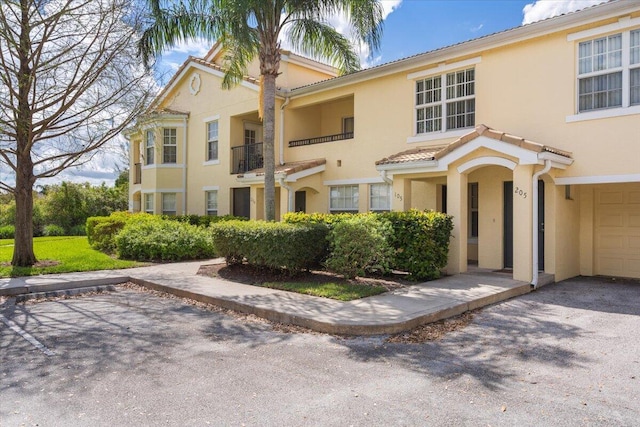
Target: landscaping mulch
[[250, 275], [432, 331]]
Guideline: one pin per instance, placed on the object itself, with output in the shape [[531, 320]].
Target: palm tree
[[248, 29]]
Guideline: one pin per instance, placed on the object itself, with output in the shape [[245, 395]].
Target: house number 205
[[520, 193]]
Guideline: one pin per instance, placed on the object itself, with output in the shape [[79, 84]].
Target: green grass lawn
[[72, 253], [339, 291]]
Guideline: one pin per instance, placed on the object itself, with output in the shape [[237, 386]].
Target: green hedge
[[359, 246], [7, 232], [420, 240], [203, 220], [53, 230], [273, 245], [102, 230], [159, 240]]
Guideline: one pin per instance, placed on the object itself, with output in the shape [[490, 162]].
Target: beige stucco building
[[529, 137]]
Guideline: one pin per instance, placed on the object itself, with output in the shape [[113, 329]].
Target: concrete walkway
[[391, 312]]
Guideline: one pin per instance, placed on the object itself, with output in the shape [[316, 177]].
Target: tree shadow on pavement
[[520, 329]]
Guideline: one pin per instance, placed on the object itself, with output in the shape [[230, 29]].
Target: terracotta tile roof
[[288, 168], [422, 154], [419, 154]]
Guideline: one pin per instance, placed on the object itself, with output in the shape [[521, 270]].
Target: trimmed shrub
[[272, 245], [202, 220], [358, 245], [316, 218], [102, 230], [53, 230], [420, 240], [7, 232], [158, 240]]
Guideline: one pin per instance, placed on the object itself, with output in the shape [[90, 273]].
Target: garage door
[[617, 230]]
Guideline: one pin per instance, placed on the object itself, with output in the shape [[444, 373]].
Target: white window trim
[[444, 68], [622, 24], [206, 201], [211, 188], [163, 166], [589, 35], [443, 102], [216, 160], [603, 114], [144, 203], [357, 208], [336, 182], [162, 196], [423, 137], [164, 144], [211, 118], [390, 198]]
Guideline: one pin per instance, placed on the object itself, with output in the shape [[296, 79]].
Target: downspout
[[184, 170], [286, 102], [385, 178], [290, 193], [534, 228]]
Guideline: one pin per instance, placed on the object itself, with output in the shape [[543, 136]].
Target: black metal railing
[[137, 173], [246, 157], [321, 139]]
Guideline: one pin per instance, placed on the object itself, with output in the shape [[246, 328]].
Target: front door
[[301, 201], [508, 225], [241, 202]]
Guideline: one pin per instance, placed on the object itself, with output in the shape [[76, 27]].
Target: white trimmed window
[[380, 197], [149, 147], [169, 203], [343, 198], [212, 140], [609, 71], [442, 107], [148, 203], [170, 146], [212, 203]]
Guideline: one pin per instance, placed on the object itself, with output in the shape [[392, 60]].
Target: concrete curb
[[340, 328], [63, 285]]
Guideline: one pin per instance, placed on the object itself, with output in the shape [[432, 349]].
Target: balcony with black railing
[[137, 173], [246, 157], [321, 139]]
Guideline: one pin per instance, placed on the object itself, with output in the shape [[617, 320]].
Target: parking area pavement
[[567, 354]]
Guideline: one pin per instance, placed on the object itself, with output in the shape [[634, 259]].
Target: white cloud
[[543, 9], [476, 28], [195, 47]]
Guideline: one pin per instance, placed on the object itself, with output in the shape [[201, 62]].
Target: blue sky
[[415, 26]]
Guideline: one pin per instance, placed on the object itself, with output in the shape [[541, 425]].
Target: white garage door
[[617, 230]]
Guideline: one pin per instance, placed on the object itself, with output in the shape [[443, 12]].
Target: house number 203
[[520, 193]]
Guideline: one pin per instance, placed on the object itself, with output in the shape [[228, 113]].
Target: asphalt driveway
[[568, 354]]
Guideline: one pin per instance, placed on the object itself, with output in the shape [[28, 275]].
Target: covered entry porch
[[485, 180]]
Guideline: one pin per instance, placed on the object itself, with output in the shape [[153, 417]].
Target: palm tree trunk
[[269, 120]]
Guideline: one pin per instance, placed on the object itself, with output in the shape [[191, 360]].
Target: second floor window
[[212, 140], [149, 147], [609, 72], [170, 146], [446, 102]]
